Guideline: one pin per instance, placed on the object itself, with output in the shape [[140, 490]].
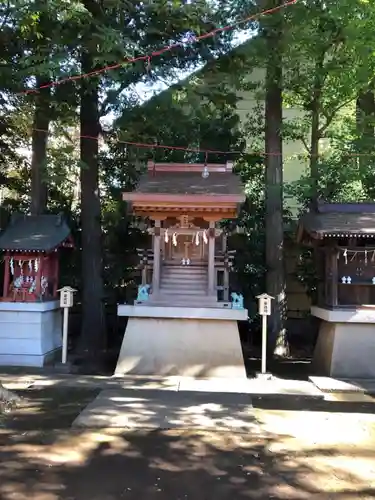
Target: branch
[[330, 116], [306, 146]]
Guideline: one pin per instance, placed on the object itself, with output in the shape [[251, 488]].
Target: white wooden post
[[264, 309], [66, 302], [65, 335]]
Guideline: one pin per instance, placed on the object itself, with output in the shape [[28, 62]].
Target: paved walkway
[[275, 386], [315, 449]]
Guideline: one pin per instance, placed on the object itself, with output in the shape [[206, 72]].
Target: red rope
[[158, 52], [146, 145], [151, 146]]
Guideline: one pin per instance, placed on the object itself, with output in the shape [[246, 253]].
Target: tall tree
[[39, 141], [274, 227], [333, 36], [119, 30]]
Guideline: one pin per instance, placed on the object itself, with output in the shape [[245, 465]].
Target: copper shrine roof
[[170, 181], [35, 233], [339, 219]]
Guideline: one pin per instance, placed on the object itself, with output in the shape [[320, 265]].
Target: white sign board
[[264, 304], [264, 309], [66, 296]]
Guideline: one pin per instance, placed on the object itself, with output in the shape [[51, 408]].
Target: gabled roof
[[183, 187], [178, 181], [185, 183], [339, 220], [34, 233]]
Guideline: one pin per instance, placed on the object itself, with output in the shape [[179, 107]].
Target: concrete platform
[[183, 346], [332, 385], [168, 410], [274, 387], [221, 386], [219, 404], [208, 313], [346, 343], [30, 333]]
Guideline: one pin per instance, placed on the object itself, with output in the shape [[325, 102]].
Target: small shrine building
[[30, 317], [183, 322], [343, 237]]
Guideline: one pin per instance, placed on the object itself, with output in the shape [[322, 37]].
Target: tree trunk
[[39, 186], [315, 133], [275, 277], [366, 140], [314, 157], [92, 340]]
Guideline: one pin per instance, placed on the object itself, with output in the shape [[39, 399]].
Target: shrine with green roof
[[30, 316]]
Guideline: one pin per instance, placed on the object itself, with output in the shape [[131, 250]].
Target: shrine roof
[[190, 183], [34, 233], [339, 220], [185, 179]]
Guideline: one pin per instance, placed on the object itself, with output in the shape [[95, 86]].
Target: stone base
[[30, 333], [189, 346], [346, 344]]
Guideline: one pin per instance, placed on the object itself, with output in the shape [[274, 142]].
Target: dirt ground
[[307, 453]]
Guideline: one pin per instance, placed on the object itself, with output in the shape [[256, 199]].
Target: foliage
[[327, 61]]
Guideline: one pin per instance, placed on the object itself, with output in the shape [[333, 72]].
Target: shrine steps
[[179, 301], [180, 283]]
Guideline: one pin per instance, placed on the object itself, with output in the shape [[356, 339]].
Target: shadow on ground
[[42, 459], [57, 406], [172, 465]]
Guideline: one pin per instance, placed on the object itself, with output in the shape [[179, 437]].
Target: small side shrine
[[183, 321], [343, 236], [30, 318]]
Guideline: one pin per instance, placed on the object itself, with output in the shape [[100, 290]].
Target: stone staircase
[[184, 286]]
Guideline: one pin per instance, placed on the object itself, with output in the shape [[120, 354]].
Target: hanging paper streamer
[[36, 265], [205, 239], [32, 286], [197, 238], [166, 237], [30, 265], [366, 257], [354, 256], [43, 284], [345, 255], [12, 266], [174, 239]]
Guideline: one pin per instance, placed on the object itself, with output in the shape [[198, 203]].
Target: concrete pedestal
[[193, 342], [346, 343], [30, 333]]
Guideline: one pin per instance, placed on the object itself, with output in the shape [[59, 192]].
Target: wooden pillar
[[6, 276], [211, 258], [334, 277], [226, 267], [55, 265], [39, 276], [156, 267]]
